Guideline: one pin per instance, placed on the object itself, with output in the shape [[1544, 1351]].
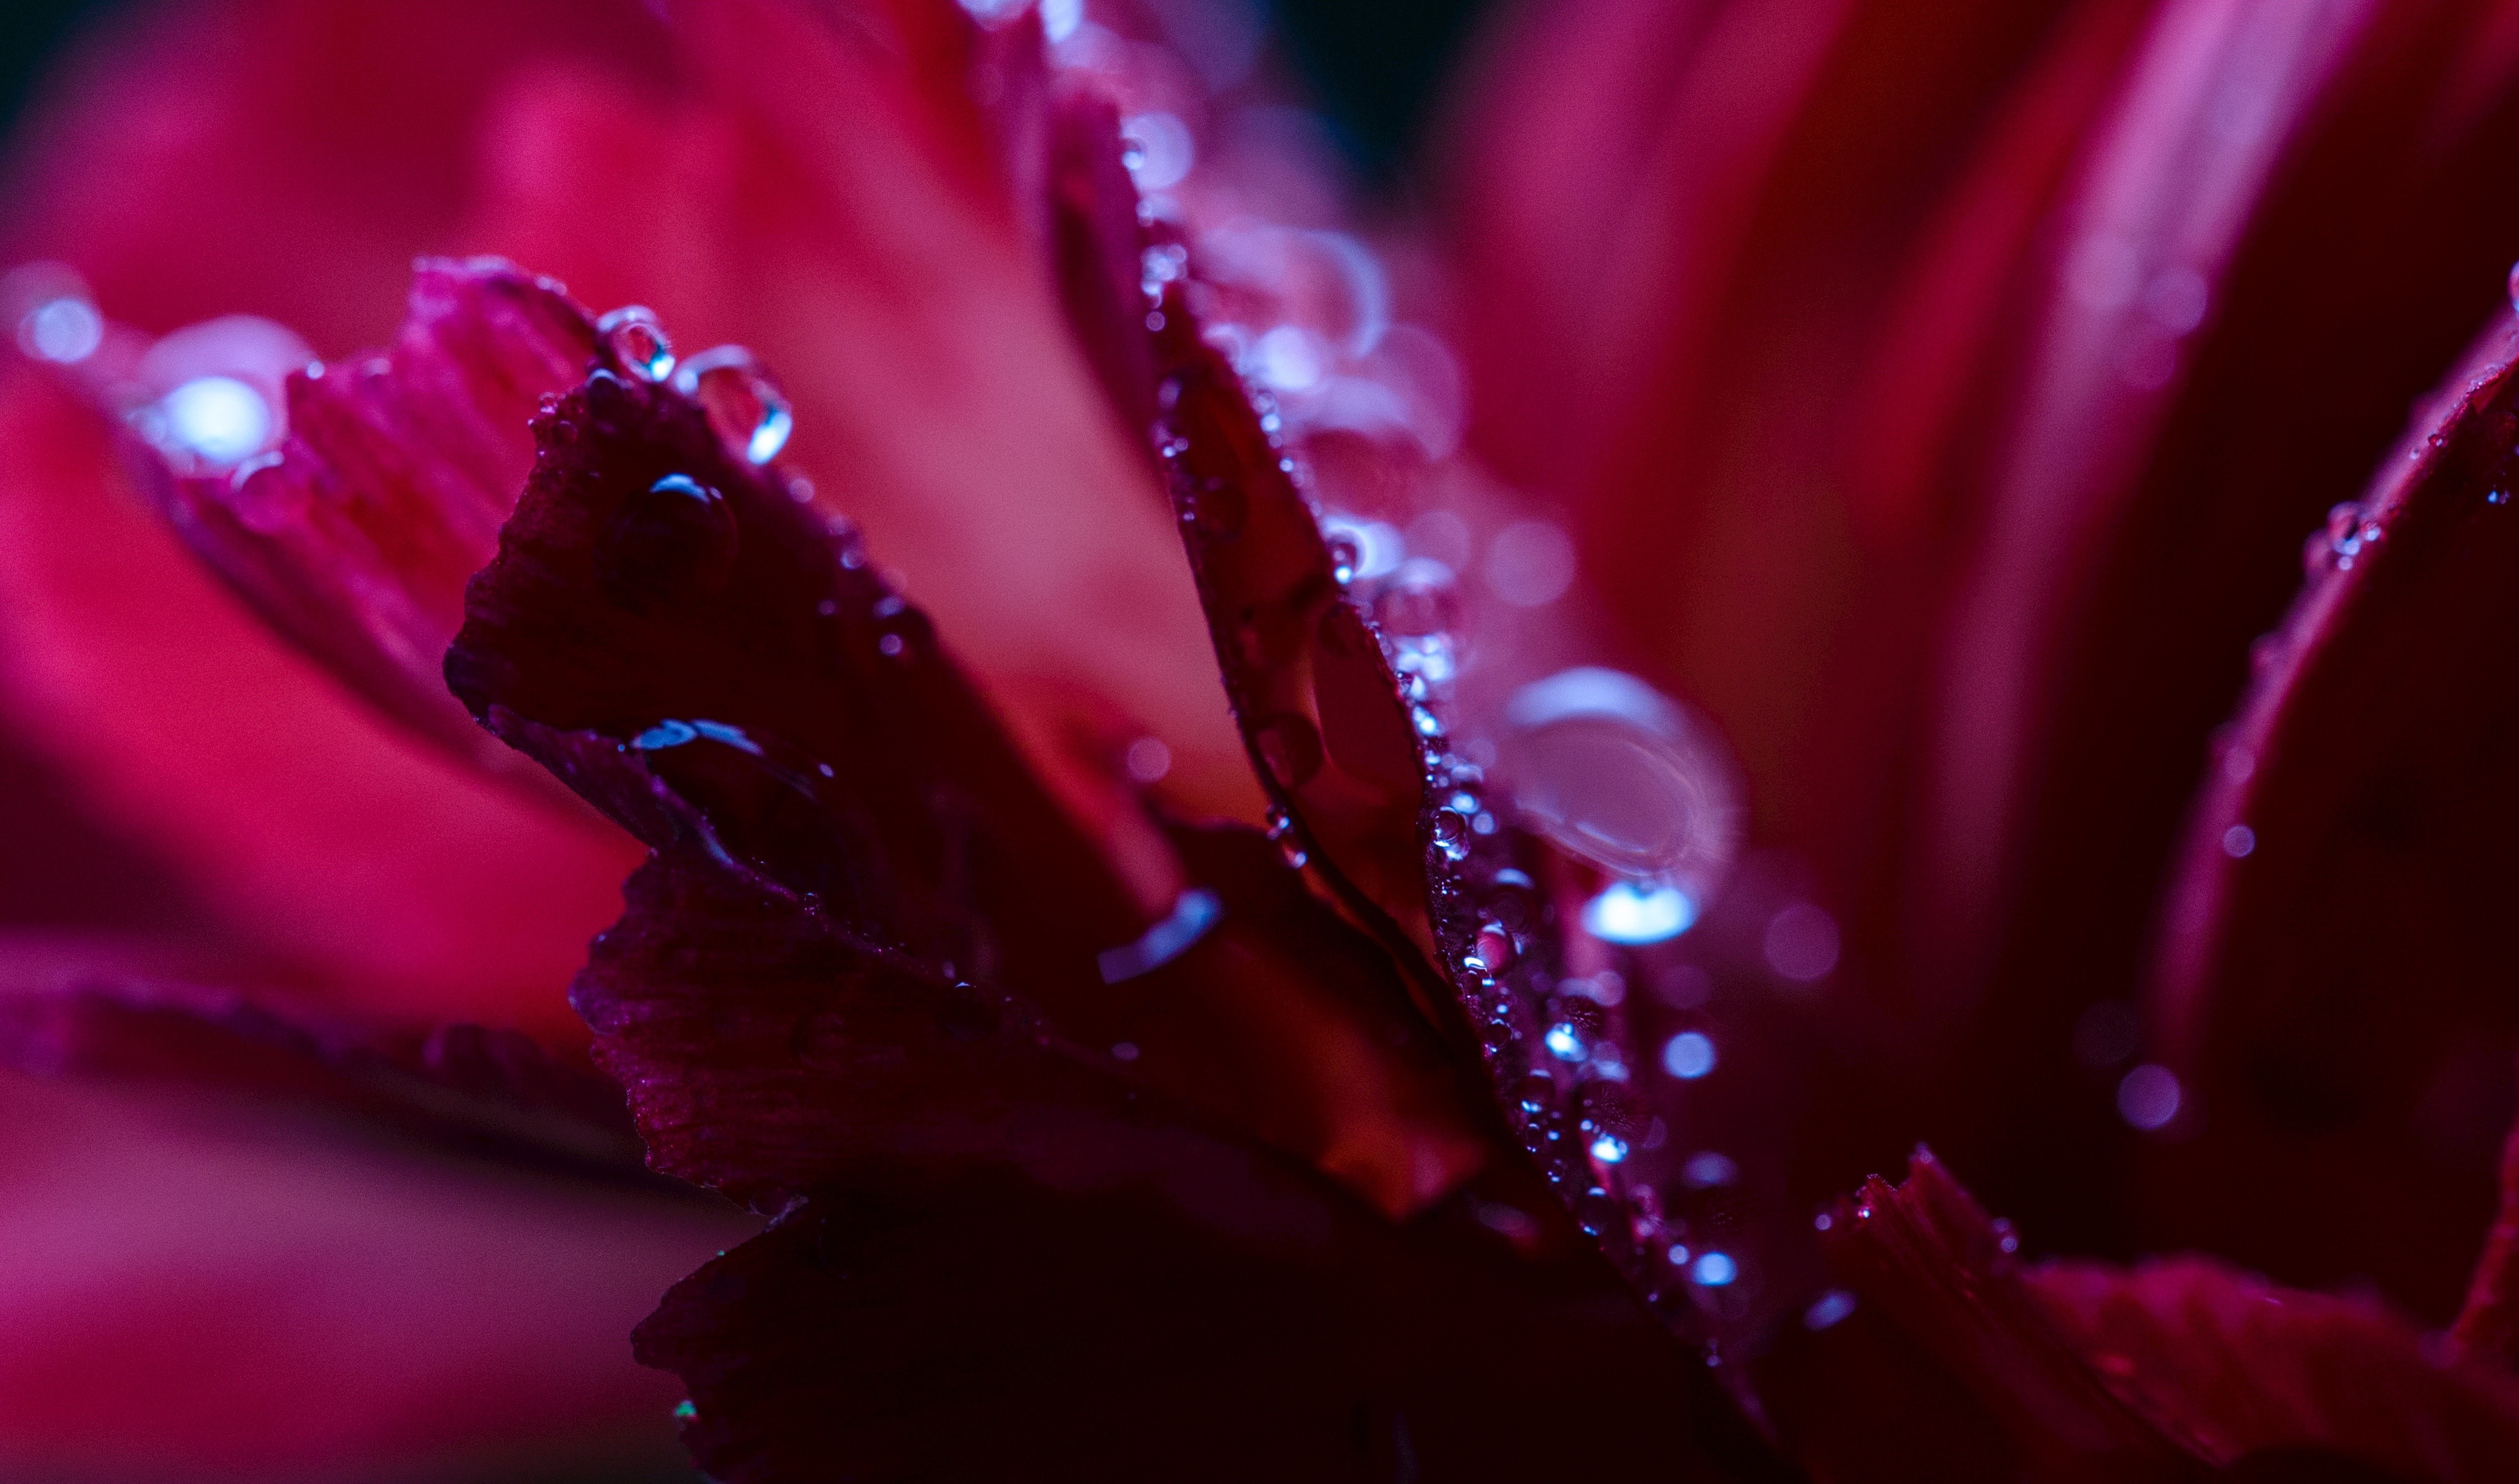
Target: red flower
[[1934, 396]]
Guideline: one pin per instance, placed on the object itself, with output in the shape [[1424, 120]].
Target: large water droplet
[[1616, 772], [1291, 747], [672, 541], [638, 342], [218, 420], [749, 411], [1420, 599]]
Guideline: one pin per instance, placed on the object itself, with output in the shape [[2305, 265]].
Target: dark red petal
[[1368, 792], [1123, 1296], [2488, 1323], [1095, 243], [695, 651], [494, 1094], [2105, 1372], [2336, 952], [355, 537], [1925, 1254]]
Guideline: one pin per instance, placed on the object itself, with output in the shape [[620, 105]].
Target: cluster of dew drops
[[1549, 1044]]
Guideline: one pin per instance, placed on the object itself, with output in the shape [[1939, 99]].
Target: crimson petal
[[354, 538], [2163, 1370], [2334, 954]]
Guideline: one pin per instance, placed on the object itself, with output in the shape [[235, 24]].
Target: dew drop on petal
[[1802, 942], [1639, 912], [1689, 1055], [2238, 841], [746, 407], [1828, 1310], [1713, 1269], [1615, 771], [638, 342], [1706, 1169], [1608, 1149], [2150, 1097], [1147, 760], [1566, 1043], [675, 538], [219, 421]]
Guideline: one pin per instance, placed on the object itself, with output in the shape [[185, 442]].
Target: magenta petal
[[658, 588], [2335, 967], [2488, 1323], [354, 538]]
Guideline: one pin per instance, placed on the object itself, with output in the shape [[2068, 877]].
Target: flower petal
[[688, 645], [2102, 1372], [1119, 1291], [2334, 953]]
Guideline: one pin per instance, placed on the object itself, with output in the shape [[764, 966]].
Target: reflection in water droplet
[[1420, 600], [749, 411], [217, 419], [1608, 1149], [2150, 1096], [2238, 841], [1290, 747], [1690, 1055], [1631, 912], [1451, 834], [1615, 772], [1566, 1043], [638, 342], [669, 542]]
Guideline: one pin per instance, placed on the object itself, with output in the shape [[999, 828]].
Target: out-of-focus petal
[[2334, 967], [2488, 1321], [319, 835], [240, 1249], [354, 537], [673, 631], [2102, 1373]]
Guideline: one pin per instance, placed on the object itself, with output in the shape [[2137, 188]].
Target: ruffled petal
[[2169, 1369], [686, 645]]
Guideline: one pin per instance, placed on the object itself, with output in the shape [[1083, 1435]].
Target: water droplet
[[1802, 944], [1421, 599], [1706, 1169], [2238, 841], [1344, 552], [2344, 533], [1451, 834], [1566, 1043], [65, 329], [1828, 1310], [2497, 497], [1618, 774], [901, 631], [1608, 1149], [1216, 510], [1494, 946], [684, 1410], [638, 342], [747, 408], [2149, 1098], [1290, 747], [217, 420], [1689, 1055], [1639, 912], [1147, 760], [2006, 1240], [674, 540], [1713, 1269], [1289, 841]]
